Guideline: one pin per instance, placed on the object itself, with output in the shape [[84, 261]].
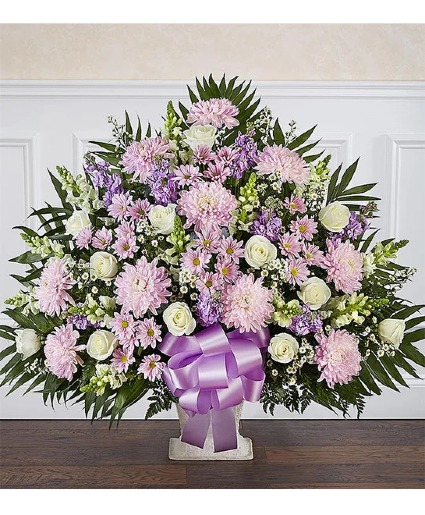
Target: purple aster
[[357, 226], [208, 309], [267, 224], [246, 154], [163, 187], [306, 322]]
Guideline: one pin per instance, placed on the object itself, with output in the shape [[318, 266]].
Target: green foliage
[[160, 400], [338, 187]]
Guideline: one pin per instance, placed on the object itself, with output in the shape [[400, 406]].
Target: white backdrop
[[44, 124]]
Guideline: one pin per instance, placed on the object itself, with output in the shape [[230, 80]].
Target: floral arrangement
[[219, 219]]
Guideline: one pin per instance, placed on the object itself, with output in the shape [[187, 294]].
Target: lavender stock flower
[[102, 178], [208, 309], [306, 322], [357, 225], [267, 224], [163, 188], [247, 154]]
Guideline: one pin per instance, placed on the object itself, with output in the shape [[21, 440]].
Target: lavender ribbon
[[211, 372]]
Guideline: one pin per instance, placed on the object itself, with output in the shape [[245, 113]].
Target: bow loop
[[211, 372]]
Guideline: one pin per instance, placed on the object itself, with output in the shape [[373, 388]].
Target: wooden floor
[[287, 454]]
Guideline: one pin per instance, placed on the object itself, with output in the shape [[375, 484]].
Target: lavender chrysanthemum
[[142, 287], [267, 224], [215, 111], [140, 157], [52, 294], [207, 205], [247, 304], [338, 357], [287, 163], [61, 351]]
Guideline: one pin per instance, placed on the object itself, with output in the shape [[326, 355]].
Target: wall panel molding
[[177, 89]]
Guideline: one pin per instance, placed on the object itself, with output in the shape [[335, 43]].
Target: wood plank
[[347, 454], [136, 476], [287, 454]]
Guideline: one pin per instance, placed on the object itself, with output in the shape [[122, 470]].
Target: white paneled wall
[[44, 124]]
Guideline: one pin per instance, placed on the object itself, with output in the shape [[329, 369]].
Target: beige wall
[[261, 52]]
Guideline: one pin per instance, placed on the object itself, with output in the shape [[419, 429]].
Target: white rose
[[259, 251], [101, 344], [314, 292], [334, 217], [391, 330], [283, 348], [200, 135], [27, 342], [103, 266], [162, 218], [76, 222], [179, 319]]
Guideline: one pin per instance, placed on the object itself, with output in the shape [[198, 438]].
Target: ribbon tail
[[224, 429], [196, 429]]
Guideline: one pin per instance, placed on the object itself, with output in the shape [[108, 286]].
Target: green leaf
[[368, 380], [406, 312], [39, 379], [34, 275], [313, 157], [415, 336], [22, 380], [128, 127], [363, 188], [26, 258], [8, 350], [192, 96], [392, 370], [107, 146], [20, 319], [58, 188], [410, 323], [26, 230], [368, 241], [89, 400], [297, 142], [405, 365], [411, 352], [356, 198], [305, 149], [230, 87], [202, 94], [184, 111], [6, 336], [332, 184], [278, 136], [14, 371], [139, 129], [346, 177], [222, 86], [379, 372], [213, 87]]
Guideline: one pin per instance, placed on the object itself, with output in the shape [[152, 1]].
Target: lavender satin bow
[[211, 372]]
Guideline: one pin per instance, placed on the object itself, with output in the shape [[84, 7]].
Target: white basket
[[179, 450]]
